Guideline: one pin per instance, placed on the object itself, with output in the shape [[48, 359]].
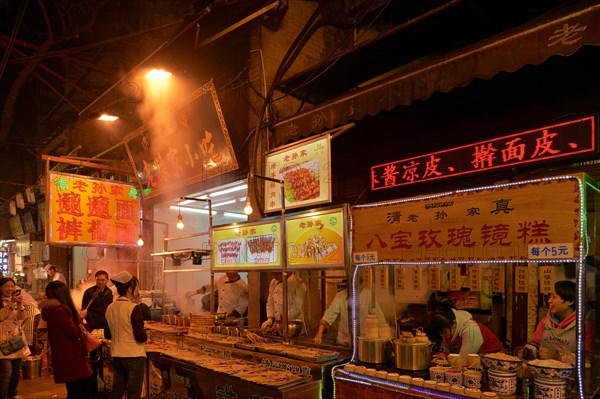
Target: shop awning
[[561, 34]]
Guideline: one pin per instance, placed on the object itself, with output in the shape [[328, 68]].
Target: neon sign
[[562, 140]]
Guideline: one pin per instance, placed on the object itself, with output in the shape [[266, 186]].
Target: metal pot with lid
[[413, 356], [375, 351]]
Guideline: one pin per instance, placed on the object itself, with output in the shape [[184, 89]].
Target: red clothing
[[491, 343], [69, 362]]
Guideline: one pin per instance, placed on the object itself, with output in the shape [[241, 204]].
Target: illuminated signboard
[[562, 140], [186, 144], [248, 246], [305, 170], [89, 211], [504, 222], [317, 239]]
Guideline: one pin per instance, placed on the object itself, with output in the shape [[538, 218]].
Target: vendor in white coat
[[296, 296], [232, 291]]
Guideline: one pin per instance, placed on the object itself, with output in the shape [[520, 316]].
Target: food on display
[[371, 330], [201, 323], [302, 182], [261, 244]]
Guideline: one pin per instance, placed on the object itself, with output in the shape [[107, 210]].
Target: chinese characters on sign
[[382, 280], [317, 240], [190, 143], [551, 251], [434, 279], [417, 278], [475, 278], [88, 211], [546, 279], [562, 140], [496, 223], [305, 171], [521, 279], [455, 278], [400, 278], [498, 279]]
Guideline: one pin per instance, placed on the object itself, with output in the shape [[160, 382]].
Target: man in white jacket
[[296, 296]]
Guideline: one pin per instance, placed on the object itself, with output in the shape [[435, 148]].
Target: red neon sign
[[562, 140]]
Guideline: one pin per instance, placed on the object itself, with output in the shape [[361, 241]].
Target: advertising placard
[[86, 211], [317, 239], [248, 246], [504, 222], [305, 169]]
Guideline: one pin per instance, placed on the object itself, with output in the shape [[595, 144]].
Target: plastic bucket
[[32, 367]]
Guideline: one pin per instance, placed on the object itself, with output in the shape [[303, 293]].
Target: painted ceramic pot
[[502, 383], [548, 389]]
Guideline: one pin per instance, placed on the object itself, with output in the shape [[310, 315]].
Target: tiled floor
[[42, 387]]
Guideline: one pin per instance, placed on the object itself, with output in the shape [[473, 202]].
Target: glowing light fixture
[[159, 74], [180, 224], [248, 208], [140, 241], [108, 118]]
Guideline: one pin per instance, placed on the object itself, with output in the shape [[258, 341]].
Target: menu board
[[305, 169], [475, 278], [498, 279], [84, 210], [400, 277], [546, 279], [434, 278], [317, 239], [521, 280], [248, 246], [455, 278]]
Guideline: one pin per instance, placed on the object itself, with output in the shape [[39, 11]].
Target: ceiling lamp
[[248, 208], [140, 241], [108, 118], [160, 74]]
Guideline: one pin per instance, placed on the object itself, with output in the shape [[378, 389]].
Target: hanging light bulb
[[140, 241], [179, 218], [248, 208]]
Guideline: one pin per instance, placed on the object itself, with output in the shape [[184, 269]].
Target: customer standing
[[95, 302], [69, 360], [11, 315], [93, 309], [127, 334]]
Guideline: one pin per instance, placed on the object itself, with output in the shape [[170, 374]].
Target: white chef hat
[[122, 277]]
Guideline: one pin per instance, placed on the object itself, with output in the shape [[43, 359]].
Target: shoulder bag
[[12, 345], [89, 342]]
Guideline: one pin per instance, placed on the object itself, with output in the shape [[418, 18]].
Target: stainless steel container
[[375, 351], [412, 356]]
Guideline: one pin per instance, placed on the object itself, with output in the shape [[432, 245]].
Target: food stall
[[495, 251], [210, 358]]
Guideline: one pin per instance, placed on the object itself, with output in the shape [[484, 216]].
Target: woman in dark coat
[[69, 361]]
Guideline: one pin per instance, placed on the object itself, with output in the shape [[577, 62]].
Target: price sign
[[546, 279], [475, 278], [498, 279], [417, 278], [521, 279], [454, 278], [434, 279], [400, 278]]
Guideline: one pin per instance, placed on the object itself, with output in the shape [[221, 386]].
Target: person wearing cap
[[125, 329], [296, 296], [54, 274], [232, 292]]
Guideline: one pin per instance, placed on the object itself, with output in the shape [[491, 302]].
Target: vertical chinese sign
[[187, 144], [305, 171], [89, 211], [506, 222]]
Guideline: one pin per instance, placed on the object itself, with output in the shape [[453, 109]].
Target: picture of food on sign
[[316, 247], [301, 182], [230, 251], [261, 249]]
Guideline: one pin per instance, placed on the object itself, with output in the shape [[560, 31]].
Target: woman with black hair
[[69, 360], [555, 336], [461, 333]]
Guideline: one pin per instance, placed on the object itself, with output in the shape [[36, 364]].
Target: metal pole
[[284, 321]]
